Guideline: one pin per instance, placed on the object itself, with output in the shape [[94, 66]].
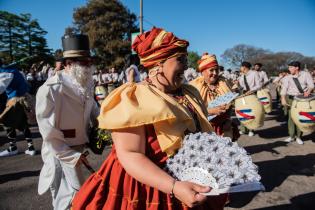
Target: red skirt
[[218, 124], [111, 188]]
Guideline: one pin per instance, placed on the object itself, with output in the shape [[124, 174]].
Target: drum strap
[[298, 85], [246, 83]]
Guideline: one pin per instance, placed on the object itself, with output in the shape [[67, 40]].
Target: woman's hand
[[188, 193], [217, 110]]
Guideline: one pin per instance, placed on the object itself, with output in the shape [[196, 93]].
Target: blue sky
[[209, 25]]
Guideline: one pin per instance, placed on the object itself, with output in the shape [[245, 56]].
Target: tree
[[10, 36], [109, 24], [239, 53], [272, 62], [20, 36], [71, 31], [34, 36], [192, 59]]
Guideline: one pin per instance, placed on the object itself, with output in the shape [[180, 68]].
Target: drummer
[[210, 85], [262, 74], [248, 81], [296, 83]]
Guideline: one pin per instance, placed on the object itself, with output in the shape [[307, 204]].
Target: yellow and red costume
[[166, 120], [221, 123]]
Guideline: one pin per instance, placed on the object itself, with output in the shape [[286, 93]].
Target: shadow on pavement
[[239, 200], [265, 147], [300, 202], [16, 176], [274, 173], [273, 132]]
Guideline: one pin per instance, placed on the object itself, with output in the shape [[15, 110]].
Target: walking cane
[[87, 165]]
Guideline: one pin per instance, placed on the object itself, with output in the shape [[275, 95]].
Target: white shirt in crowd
[[289, 87], [226, 75], [112, 77], [29, 77], [253, 80], [263, 77], [136, 73], [190, 74], [143, 75]]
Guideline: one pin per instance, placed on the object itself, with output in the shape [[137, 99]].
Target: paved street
[[287, 172]]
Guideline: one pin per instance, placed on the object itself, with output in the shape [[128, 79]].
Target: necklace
[[212, 90]]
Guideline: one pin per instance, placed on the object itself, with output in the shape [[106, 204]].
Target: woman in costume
[[210, 85], [148, 122]]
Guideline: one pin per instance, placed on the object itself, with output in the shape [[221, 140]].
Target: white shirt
[[263, 77], [289, 87], [112, 77], [253, 80], [39, 76], [136, 75], [104, 77], [190, 74], [51, 72], [143, 75], [226, 75], [29, 77]]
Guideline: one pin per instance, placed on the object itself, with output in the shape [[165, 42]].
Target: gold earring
[[152, 73]]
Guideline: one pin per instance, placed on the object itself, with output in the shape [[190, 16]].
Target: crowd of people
[[153, 106]]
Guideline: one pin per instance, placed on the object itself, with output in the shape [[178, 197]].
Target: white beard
[[82, 78]]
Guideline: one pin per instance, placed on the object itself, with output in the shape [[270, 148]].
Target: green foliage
[[192, 59], [105, 136], [109, 25], [20, 36]]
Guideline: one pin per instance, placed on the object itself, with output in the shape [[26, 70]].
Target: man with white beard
[[64, 110]]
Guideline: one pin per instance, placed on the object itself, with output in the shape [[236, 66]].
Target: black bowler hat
[[75, 46]]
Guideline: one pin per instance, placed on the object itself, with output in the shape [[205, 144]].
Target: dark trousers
[[11, 133]]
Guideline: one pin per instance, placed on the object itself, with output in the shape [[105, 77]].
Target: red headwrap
[[157, 45], [207, 61]]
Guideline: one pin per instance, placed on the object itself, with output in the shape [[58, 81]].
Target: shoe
[[251, 133], [290, 139], [8, 152], [241, 133], [30, 152], [299, 141]]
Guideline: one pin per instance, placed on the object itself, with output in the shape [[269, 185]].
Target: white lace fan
[[220, 100], [215, 161]]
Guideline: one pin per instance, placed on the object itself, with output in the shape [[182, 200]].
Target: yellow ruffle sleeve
[[133, 105]]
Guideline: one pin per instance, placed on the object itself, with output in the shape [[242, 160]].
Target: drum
[[303, 113], [265, 99], [100, 93], [249, 111]]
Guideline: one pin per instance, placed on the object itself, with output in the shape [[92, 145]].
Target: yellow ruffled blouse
[[133, 105], [207, 95]]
